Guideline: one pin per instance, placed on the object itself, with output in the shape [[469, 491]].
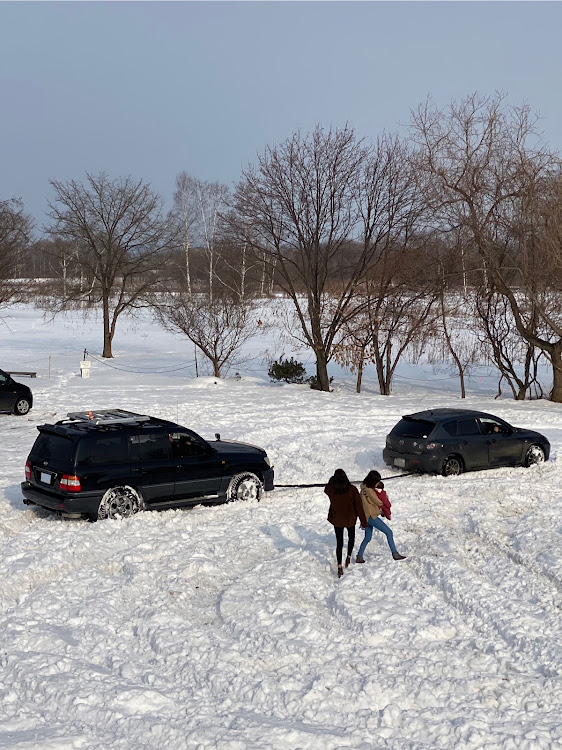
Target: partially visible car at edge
[[115, 463], [451, 441], [14, 397]]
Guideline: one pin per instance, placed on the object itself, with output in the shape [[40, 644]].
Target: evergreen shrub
[[288, 370]]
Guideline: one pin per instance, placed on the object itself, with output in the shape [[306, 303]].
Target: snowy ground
[[227, 627]]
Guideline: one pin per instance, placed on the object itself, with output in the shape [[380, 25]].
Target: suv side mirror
[[217, 436]]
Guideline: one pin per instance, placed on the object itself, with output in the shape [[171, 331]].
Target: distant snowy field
[[227, 627]]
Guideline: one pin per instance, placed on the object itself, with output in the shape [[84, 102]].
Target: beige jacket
[[372, 505]]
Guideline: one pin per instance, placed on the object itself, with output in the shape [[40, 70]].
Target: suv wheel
[[452, 466], [120, 502], [22, 405], [535, 455], [246, 486]]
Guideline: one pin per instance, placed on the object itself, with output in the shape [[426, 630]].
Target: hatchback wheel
[[22, 405], [535, 455], [452, 466], [246, 486], [120, 502]]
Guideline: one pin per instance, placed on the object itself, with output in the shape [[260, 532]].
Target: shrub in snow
[[288, 370]]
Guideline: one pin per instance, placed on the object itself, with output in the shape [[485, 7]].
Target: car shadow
[[13, 495]]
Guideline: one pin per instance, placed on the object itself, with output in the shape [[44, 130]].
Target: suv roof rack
[[105, 416]]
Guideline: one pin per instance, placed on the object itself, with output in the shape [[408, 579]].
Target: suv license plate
[[401, 462], [46, 478]]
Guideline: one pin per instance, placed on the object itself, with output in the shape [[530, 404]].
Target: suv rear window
[[49, 447], [415, 428]]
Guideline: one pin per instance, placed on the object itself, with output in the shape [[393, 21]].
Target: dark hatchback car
[[450, 441], [14, 397], [115, 463]]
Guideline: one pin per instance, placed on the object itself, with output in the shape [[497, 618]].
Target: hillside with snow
[[226, 627]]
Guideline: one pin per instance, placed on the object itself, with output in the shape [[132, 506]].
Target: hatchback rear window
[[415, 428], [50, 447]]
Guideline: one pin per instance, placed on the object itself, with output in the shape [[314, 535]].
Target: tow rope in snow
[[323, 484]]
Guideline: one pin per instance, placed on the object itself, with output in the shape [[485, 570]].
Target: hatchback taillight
[[70, 483], [28, 469]]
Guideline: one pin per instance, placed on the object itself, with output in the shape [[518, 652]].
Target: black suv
[[114, 463], [451, 441], [15, 397]]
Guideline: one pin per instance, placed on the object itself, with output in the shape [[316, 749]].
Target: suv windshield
[[414, 428]]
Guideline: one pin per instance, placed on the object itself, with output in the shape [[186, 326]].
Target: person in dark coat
[[345, 508]]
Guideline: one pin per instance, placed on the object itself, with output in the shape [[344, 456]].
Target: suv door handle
[[139, 471]]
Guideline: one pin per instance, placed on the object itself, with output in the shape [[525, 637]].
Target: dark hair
[[340, 482], [372, 479]]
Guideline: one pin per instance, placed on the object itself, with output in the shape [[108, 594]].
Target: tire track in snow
[[498, 592]]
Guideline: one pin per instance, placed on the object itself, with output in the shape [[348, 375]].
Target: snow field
[[226, 627]]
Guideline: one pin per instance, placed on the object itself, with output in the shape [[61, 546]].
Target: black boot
[[340, 571], [398, 556]]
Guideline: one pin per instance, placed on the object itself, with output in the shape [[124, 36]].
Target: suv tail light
[[70, 483], [28, 470]]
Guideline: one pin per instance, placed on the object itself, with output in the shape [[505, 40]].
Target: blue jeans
[[377, 523]]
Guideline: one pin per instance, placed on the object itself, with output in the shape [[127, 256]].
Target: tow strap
[[323, 484]]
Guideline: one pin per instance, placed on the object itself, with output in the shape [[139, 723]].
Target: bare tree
[[185, 206], [354, 349], [122, 241], [392, 309], [454, 330], [199, 205], [516, 359], [15, 237], [322, 206], [486, 171], [219, 327]]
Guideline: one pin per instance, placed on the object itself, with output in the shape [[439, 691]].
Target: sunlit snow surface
[[227, 627]]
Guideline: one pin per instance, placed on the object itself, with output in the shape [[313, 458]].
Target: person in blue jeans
[[376, 503]]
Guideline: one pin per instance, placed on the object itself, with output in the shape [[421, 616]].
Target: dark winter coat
[[346, 508]]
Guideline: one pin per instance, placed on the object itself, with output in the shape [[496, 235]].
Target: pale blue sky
[[153, 88]]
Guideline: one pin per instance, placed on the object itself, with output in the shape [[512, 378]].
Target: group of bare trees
[[15, 237], [489, 178], [381, 247]]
